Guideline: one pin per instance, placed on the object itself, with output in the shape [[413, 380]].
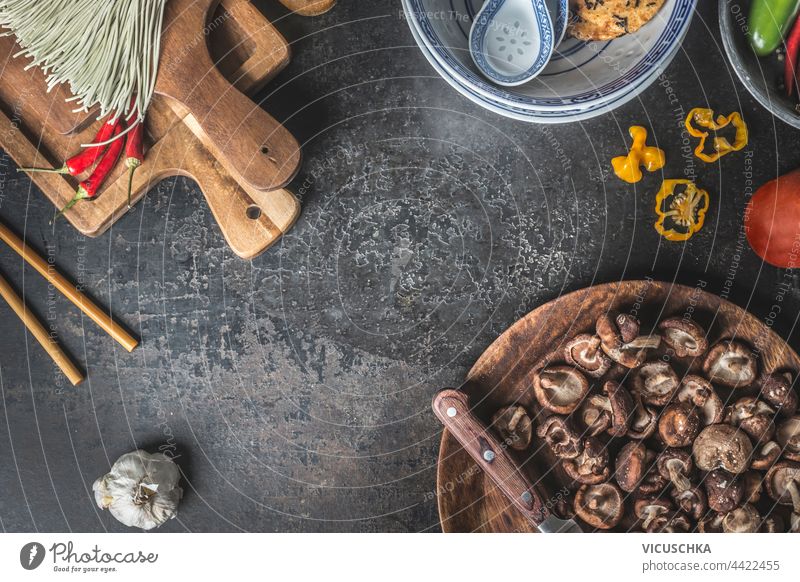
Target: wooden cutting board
[[39, 129], [468, 500]]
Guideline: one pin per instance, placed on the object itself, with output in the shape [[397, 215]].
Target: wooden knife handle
[[452, 408]]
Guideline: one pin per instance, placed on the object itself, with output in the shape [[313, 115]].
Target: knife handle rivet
[[488, 456], [526, 497], [451, 412]]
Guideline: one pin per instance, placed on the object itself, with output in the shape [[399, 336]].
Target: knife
[[452, 408]]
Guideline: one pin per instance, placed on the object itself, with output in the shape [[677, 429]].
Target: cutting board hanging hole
[[253, 212]]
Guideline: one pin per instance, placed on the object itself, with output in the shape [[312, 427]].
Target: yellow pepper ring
[[705, 119], [686, 209]]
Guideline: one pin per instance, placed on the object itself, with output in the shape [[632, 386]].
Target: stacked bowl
[[582, 80]]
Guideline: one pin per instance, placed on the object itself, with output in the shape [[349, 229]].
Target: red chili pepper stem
[[85, 159], [134, 155], [91, 185], [790, 64]]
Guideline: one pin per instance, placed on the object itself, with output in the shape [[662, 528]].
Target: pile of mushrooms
[[660, 432]]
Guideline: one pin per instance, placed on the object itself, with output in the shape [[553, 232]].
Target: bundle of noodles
[[106, 51]]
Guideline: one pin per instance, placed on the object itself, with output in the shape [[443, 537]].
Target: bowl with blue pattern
[[582, 80]]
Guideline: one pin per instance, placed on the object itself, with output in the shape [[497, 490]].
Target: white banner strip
[[407, 557]]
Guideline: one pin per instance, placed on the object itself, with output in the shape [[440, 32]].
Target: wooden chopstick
[[40, 333], [69, 290]]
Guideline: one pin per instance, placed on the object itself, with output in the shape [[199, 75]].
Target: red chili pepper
[[792, 51], [134, 154], [87, 158], [89, 187]]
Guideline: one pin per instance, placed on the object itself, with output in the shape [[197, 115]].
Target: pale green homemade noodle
[[106, 51]]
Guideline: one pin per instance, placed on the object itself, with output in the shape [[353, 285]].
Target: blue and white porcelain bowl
[[581, 81]]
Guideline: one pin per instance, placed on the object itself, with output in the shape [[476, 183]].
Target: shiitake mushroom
[[667, 425]]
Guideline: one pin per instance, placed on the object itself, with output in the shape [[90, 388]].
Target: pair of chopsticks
[[70, 292]]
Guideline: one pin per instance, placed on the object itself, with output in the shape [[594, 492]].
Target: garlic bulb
[[141, 490]]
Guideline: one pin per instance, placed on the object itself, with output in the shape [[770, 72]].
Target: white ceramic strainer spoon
[[511, 41]]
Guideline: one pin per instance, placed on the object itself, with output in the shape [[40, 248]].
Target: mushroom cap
[[619, 339], [732, 364], [600, 505], [591, 466], [674, 522], [744, 519], [753, 482], [584, 353], [616, 329], [652, 482], [595, 414], [656, 382], [562, 439], [560, 388], [621, 407], [711, 523], [679, 425], [753, 416], [781, 479], [765, 456], [773, 524], [788, 437], [722, 446], [724, 491], [514, 426], [691, 501], [698, 391], [777, 390], [631, 465], [644, 420], [684, 336], [747, 407]]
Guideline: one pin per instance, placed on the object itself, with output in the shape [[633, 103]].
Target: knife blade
[[452, 409]]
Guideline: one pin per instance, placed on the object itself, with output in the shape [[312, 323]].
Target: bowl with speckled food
[[762, 77], [582, 80]]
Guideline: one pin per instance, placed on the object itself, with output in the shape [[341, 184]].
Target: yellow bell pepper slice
[[684, 211], [700, 118], [627, 167]]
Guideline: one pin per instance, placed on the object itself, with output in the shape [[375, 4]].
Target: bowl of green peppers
[[762, 42]]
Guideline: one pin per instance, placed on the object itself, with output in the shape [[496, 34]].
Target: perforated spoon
[[511, 41]]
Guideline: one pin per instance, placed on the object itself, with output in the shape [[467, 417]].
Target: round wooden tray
[[468, 500]]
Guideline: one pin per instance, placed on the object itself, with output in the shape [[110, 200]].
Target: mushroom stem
[[794, 492], [652, 512], [643, 342], [676, 475], [519, 412]]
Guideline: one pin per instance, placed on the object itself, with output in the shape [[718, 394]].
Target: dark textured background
[[296, 387]]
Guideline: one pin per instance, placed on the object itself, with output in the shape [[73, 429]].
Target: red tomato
[[772, 221]]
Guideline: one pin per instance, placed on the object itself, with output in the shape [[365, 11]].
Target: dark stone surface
[[296, 387]]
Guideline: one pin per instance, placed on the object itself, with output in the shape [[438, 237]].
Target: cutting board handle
[[259, 148], [452, 409]]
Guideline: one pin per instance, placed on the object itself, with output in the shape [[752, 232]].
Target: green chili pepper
[[768, 23]]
